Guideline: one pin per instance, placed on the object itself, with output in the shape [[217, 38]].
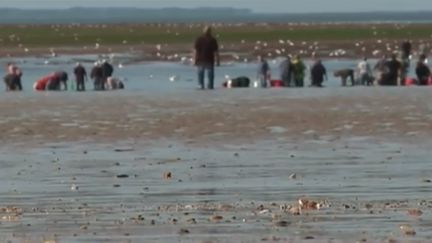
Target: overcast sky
[[287, 6]]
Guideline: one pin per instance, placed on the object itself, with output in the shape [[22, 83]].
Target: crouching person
[[344, 74], [239, 82], [52, 82], [114, 83]]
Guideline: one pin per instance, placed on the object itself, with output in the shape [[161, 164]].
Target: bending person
[[52, 81], [344, 74], [114, 83]]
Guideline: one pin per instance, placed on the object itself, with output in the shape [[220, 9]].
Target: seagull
[[74, 187], [173, 78]]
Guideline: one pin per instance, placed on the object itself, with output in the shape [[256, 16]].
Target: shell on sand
[[295, 210], [308, 204], [407, 229], [167, 175], [215, 218], [282, 223], [415, 212]]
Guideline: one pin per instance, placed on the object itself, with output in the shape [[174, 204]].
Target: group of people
[[292, 72], [386, 72], [101, 74]]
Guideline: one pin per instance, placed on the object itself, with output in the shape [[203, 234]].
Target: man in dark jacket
[[80, 77], [97, 76], [286, 72], [107, 71], [206, 54], [423, 72], [395, 68], [406, 49], [318, 73]]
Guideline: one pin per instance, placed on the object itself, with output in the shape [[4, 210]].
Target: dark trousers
[[317, 82], [286, 81], [299, 82], [390, 80], [99, 84], [80, 85]]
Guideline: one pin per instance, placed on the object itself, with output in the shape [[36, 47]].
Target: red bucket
[[276, 83], [409, 82]]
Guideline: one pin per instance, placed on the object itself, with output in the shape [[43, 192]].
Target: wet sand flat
[[222, 166]]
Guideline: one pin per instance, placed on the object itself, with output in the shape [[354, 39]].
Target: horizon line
[[231, 8]]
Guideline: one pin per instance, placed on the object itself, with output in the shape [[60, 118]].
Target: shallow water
[[155, 76]]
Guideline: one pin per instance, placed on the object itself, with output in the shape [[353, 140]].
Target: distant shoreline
[[196, 15]]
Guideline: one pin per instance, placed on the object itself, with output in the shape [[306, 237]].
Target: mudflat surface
[[221, 166]]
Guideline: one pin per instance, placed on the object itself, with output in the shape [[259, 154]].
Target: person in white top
[[13, 77], [13, 69], [365, 72]]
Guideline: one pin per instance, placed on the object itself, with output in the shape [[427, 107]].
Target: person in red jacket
[[52, 81]]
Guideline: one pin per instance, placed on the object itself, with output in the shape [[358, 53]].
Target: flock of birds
[[273, 49]]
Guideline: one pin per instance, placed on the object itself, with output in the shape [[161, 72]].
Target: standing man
[[107, 71], [406, 49], [298, 71], [422, 71], [80, 77], [394, 67], [318, 73], [206, 54], [263, 73], [286, 72], [381, 70], [13, 77], [97, 76], [365, 72], [405, 59]]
